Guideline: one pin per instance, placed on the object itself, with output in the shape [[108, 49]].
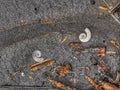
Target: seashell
[[37, 56], [85, 37]]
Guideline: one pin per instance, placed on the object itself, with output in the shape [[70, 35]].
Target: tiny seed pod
[[85, 37], [37, 56]]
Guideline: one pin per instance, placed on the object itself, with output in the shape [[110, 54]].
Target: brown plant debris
[[103, 66], [91, 81], [23, 23], [103, 86], [117, 80], [64, 39], [87, 68], [46, 21], [115, 43], [103, 8], [74, 44], [108, 86], [41, 64], [60, 85], [30, 77], [101, 52], [64, 70]]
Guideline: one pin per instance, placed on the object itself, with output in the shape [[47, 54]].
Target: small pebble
[[22, 74]]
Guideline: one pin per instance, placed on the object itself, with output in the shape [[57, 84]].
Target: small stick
[[111, 52], [64, 39], [59, 85], [110, 11], [41, 64]]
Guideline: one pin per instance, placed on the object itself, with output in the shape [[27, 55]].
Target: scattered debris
[[23, 23], [87, 68], [41, 64], [64, 39], [75, 81], [85, 37], [64, 70], [91, 81], [74, 44], [101, 71], [104, 66], [115, 43], [30, 77], [75, 58], [100, 51], [46, 21], [113, 10], [37, 56], [60, 85], [108, 86], [111, 52], [18, 71], [117, 80], [104, 85], [82, 71], [94, 61], [22, 74]]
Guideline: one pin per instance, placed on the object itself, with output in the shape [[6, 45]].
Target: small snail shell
[[85, 37], [37, 56]]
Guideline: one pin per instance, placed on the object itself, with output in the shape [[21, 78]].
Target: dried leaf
[[41, 64]]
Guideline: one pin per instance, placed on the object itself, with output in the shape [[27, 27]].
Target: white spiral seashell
[[37, 56], [85, 37]]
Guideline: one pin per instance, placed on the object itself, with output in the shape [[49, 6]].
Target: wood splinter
[[41, 64], [104, 85], [115, 43], [93, 83], [60, 85], [108, 86]]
